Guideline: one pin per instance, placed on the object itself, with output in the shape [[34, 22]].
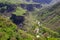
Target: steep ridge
[[51, 16]]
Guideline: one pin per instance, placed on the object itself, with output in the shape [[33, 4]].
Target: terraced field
[[50, 17]]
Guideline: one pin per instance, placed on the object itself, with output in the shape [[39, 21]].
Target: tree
[[7, 28]]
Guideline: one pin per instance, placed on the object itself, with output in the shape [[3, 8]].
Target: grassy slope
[[9, 31], [51, 16], [22, 35]]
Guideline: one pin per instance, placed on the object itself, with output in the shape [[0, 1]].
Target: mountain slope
[[19, 24], [50, 16]]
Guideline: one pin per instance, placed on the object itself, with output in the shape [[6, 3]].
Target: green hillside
[[20, 24], [50, 16]]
